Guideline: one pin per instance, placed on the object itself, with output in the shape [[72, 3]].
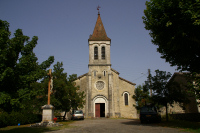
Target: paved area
[[104, 125]]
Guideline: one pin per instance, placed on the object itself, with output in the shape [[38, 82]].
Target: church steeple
[[99, 46], [99, 33]]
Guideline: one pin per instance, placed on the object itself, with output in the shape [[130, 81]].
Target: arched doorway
[[100, 106]]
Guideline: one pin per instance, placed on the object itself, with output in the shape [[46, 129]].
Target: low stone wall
[[187, 116]]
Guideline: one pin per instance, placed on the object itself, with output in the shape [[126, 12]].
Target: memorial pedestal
[[47, 117], [47, 113]]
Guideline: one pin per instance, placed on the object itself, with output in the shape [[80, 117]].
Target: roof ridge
[[115, 71], [127, 81], [82, 75]]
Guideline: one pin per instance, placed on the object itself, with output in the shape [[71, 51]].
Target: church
[[107, 94]]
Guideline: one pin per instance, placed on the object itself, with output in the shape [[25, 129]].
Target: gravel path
[[104, 125]]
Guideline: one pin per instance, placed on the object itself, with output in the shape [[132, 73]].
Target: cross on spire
[[99, 33], [98, 9]]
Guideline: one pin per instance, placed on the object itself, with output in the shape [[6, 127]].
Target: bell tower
[[99, 76], [99, 46], [106, 94]]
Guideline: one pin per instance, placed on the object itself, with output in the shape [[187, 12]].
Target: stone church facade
[[107, 94]]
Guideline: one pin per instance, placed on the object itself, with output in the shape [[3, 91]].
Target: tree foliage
[[20, 74], [175, 28], [141, 96], [65, 94], [194, 84], [165, 92], [18, 69]]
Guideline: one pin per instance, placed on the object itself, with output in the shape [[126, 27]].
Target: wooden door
[[97, 109]]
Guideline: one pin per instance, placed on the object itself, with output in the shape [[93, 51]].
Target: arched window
[[94, 73], [104, 73], [126, 98], [95, 53], [103, 53]]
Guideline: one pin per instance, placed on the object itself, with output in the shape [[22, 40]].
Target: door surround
[[100, 99]]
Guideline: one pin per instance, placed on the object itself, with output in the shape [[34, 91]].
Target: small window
[[103, 53], [96, 53], [126, 98], [94, 73], [104, 73]]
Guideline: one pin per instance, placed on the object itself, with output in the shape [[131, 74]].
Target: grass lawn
[[28, 129], [193, 127]]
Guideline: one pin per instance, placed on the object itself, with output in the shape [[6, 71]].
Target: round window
[[100, 85]]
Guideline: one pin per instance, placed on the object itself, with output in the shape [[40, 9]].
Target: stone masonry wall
[[127, 111]]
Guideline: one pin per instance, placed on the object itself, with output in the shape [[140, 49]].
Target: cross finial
[[98, 9]]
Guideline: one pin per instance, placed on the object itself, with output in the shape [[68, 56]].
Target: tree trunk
[[64, 115], [166, 113]]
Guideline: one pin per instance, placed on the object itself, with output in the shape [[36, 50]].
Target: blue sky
[[63, 28]]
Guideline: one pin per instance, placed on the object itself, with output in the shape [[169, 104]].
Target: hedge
[[13, 118], [195, 117]]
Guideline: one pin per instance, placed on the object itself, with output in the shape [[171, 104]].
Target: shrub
[[3, 119], [18, 117], [15, 118]]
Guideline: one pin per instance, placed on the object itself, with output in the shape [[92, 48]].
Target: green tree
[[19, 69], [141, 96], [193, 85], [77, 97], [174, 27], [166, 92], [60, 94], [65, 94]]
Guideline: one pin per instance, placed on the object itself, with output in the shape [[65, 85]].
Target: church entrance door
[[99, 109], [100, 106]]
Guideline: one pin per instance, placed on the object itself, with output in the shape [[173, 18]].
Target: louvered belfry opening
[[96, 53], [103, 53]]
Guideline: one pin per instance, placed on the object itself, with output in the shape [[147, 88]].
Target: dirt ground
[[105, 125]]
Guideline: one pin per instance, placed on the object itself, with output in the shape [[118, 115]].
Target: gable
[[82, 76], [127, 81], [113, 70]]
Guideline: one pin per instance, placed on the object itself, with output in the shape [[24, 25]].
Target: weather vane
[[98, 9]]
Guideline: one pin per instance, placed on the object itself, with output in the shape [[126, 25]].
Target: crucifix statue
[[50, 85], [48, 110]]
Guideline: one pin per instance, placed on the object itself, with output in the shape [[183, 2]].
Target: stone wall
[[183, 80], [127, 111], [83, 84], [112, 91], [99, 45]]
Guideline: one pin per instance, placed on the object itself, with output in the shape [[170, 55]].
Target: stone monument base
[[47, 113], [47, 117]]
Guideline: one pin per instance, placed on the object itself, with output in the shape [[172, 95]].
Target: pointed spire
[[99, 33]]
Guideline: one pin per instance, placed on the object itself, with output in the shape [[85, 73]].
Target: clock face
[[100, 85]]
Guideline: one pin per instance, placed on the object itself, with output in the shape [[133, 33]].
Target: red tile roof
[[99, 33]]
